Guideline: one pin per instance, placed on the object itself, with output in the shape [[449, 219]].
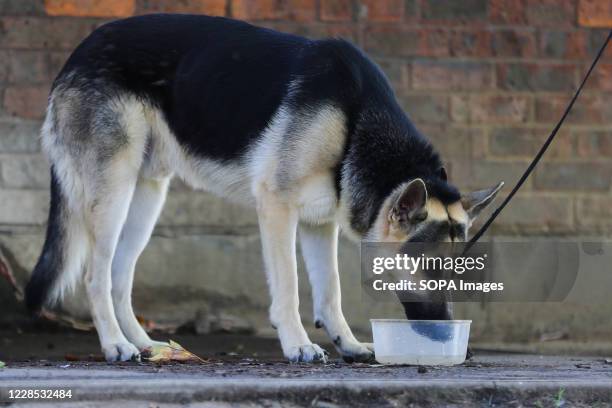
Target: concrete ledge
[[493, 380]]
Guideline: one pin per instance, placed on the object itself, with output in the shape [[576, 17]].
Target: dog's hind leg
[[278, 224], [106, 220], [146, 205], [117, 151], [319, 245]]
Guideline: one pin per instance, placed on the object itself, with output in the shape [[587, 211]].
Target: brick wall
[[484, 79]]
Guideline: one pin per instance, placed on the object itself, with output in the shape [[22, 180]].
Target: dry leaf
[[170, 352], [66, 320], [7, 273]]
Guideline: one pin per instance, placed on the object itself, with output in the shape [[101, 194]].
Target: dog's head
[[424, 211], [429, 211]]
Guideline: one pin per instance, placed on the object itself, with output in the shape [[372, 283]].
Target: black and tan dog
[[307, 132]]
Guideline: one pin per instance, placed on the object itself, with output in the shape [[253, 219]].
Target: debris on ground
[[171, 352], [89, 357]]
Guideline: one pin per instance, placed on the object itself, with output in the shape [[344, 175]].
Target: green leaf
[[2, 364]]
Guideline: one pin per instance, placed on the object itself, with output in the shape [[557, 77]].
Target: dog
[[307, 132]]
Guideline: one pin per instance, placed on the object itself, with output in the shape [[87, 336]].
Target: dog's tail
[[63, 255]]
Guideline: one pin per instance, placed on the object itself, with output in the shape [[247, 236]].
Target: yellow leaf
[[166, 353]]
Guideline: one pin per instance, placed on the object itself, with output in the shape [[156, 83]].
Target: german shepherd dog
[[308, 132]]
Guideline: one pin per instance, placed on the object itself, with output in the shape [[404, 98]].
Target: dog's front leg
[[320, 250], [278, 224]]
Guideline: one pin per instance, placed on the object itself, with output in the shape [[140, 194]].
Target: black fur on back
[[50, 263], [219, 82]]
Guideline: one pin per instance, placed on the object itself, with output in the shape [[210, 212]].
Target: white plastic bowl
[[420, 342]]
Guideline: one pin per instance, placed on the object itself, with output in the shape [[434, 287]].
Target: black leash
[[540, 153]]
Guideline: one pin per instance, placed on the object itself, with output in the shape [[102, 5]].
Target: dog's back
[[217, 81]]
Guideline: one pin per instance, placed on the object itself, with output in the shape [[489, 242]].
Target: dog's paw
[[306, 353], [121, 352], [355, 352], [470, 353]]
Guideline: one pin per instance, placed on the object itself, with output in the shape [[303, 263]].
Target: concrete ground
[[248, 371]]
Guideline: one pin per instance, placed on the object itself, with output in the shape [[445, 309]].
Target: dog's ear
[[474, 202], [410, 203]]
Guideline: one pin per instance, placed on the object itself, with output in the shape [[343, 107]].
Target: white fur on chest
[[296, 159]]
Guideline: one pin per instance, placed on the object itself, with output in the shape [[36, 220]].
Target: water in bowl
[[420, 342]]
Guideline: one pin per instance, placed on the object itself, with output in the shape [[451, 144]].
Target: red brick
[[507, 11], [564, 44], [4, 68], [35, 33], [574, 176], [383, 10], [437, 75], [27, 102], [208, 7], [486, 173], [594, 210], [90, 8], [526, 141], [294, 10], [588, 109], [451, 142], [470, 43], [453, 12], [347, 31], [405, 42], [478, 108], [34, 66], [551, 12], [22, 7], [597, 37], [537, 213], [459, 171], [594, 143], [425, 108], [536, 77], [514, 43], [336, 10], [601, 78], [397, 71], [595, 13]]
